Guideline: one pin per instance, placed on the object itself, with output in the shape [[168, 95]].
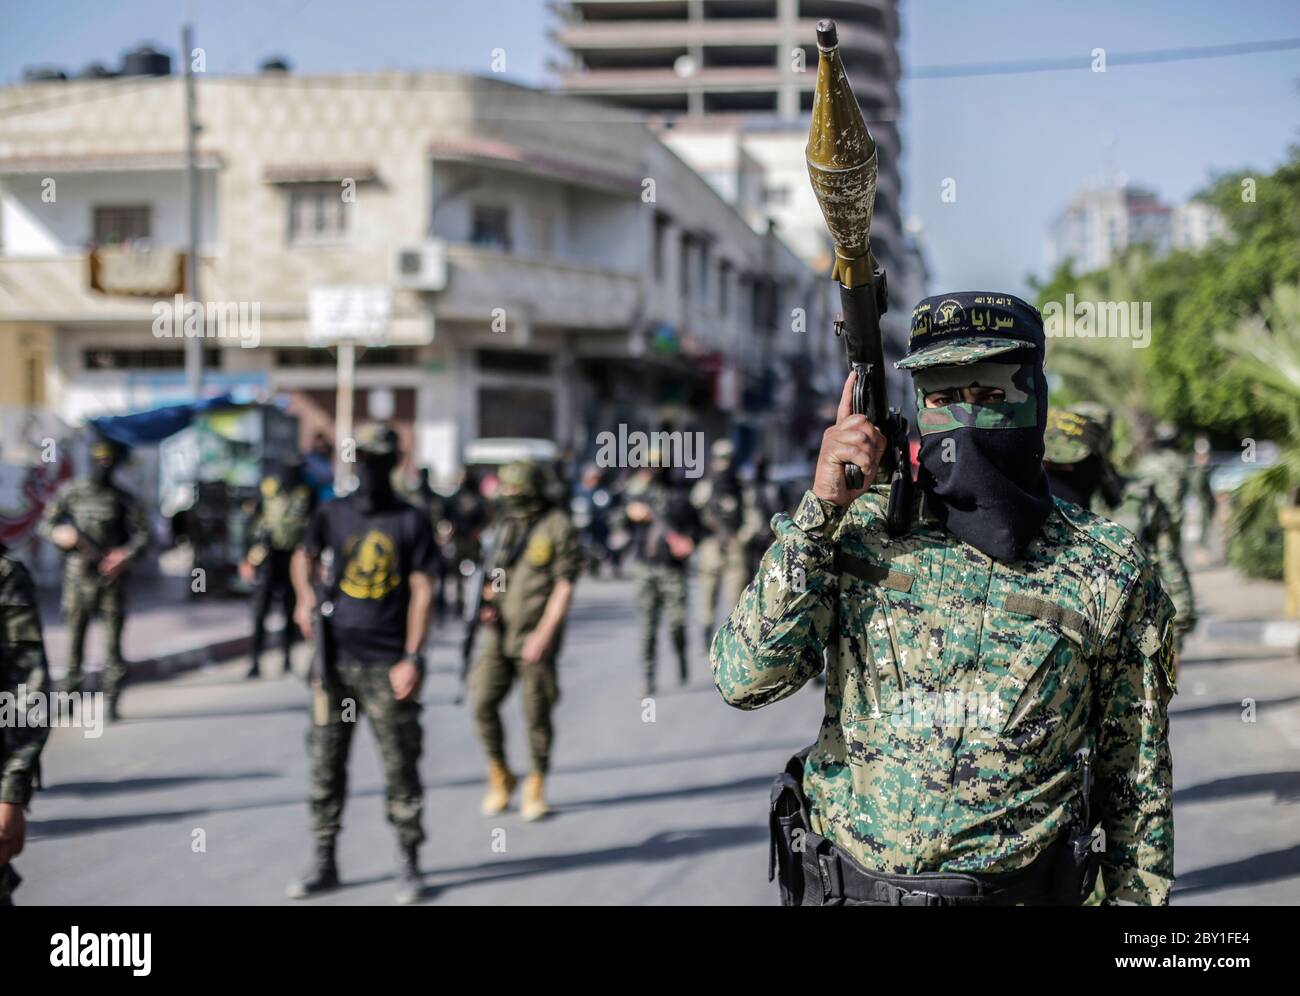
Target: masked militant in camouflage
[[1048, 621]]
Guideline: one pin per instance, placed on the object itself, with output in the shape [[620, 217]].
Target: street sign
[[348, 313]]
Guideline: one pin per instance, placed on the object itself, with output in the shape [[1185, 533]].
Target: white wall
[[35, 227]]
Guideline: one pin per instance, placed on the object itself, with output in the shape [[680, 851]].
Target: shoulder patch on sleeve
[[1097, 529]]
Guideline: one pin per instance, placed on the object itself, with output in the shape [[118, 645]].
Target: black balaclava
[[1076, 482], [105, 458], [375, 480], [982, 465], [523, 490]]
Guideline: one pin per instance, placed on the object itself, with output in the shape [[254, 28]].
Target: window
[[776, 195], [490, 227], [661, 246], [724, 287], [379, 356], [498, 361], [684, 267], [702, 290], [115, 224], [318, 215], [145, 359]]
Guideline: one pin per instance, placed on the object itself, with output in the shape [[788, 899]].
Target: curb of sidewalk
[[190, 659], [1266, 632]]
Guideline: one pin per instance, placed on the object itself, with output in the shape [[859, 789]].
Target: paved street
[[664, 812]]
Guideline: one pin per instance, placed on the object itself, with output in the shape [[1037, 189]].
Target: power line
[[360, 82], [1068, 62]]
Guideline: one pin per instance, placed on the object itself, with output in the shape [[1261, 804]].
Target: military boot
[[110, 708], [533, 806], [409, 882], [322, 876], [501, 783]]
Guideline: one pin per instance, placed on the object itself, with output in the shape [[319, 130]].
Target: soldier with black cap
[[998, 676], [1078, 460], [381, 592], [100, 528]]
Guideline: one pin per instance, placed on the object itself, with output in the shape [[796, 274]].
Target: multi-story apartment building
[[1099, 224], [729, 84], [552, 267]]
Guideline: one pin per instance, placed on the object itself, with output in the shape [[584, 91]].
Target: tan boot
[[534, 806], [501, 783]]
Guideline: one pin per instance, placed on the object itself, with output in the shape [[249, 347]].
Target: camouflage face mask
[[1016, 380], [982, 464]]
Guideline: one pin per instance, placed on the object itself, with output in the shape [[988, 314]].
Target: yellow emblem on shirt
[[540, 550], [372, 567]]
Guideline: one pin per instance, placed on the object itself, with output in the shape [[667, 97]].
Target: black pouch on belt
[[1077, 862], [788, 825]]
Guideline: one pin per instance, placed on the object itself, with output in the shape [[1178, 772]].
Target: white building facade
[[553, 268]]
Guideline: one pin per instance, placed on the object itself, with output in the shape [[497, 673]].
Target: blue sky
[[1017, 146]]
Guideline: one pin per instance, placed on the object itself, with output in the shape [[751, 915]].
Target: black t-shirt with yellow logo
[[375, 554]]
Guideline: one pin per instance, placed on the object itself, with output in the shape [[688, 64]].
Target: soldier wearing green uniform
[[99, 528], [1168, 471], [721, 563], [1078, 461], [24, 682], [277, 528], [997, 677], [537, 562], [380, 595], [663, 525]]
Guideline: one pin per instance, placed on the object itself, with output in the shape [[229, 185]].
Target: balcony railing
[[555, 292]]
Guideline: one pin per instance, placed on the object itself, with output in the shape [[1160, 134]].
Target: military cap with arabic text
[[970, 326]]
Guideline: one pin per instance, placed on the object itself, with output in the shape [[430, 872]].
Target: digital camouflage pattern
[[109, 518], [1143, 513], [1168, 471], [22, 665], [661, 597], [961, 691], [359, 688]]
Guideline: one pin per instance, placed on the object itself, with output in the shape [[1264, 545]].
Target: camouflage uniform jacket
[[280, 520], [546, 554], [22, 667], [107, 515], [960, 691], [1143, 513]]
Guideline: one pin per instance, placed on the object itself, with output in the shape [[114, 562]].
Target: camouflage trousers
[[1173, 575], [724, 569], [84, 596], [661, 594], [364, 687], [490, 681]]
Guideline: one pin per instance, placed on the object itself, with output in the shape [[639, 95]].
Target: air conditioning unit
[[422, 267]]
